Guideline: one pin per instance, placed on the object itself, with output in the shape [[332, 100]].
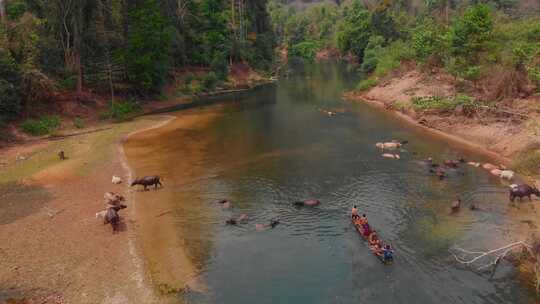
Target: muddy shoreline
[[455, 139]]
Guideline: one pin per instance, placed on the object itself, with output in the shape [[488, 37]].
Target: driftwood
[[491, 258]]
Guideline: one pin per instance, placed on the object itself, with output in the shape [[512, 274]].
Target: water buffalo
[[112, 217], [311, 202], [507, 174], [231, 222], [450, 163], [440, 173], [521, 190], [456, 205], [226, 204], [148, 181]]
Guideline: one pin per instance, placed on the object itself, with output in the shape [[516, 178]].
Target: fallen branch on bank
[[491, 258]]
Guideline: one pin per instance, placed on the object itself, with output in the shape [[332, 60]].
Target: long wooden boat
[[360, 231]]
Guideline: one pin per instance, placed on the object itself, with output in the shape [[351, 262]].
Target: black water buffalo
[[521, 190], [148, 181], [311, 202], [113, 218]]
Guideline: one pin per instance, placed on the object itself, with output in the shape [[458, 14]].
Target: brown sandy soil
[[499, 137], [53, 249], [172, 258]]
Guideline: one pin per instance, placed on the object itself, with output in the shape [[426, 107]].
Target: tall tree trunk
[[2, 10], [77, 45]]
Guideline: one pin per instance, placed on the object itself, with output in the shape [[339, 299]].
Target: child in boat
[[363, 219], [374, 240], [354, 212], [366, 230], [387, 253]]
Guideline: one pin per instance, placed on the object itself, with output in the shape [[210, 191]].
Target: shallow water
[[274, 146]]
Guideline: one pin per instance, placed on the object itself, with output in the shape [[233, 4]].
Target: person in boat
[[387, 253], [362, 219], [366, 229], [374, 240], [354, 212]]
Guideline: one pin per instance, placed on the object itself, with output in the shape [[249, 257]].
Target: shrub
[[78, 123], [442, 103], [210, 81], [306, 50], [527, 162], [15, 9], [373, 49], [121, 110], [390, 57], [42, 126], [367, 84]]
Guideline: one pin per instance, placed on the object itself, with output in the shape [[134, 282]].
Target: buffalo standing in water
[[311, 202], [521, 190], [148, 181]]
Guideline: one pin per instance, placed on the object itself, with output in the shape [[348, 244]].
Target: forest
[[130, 49], [491, 42], [121, 47]]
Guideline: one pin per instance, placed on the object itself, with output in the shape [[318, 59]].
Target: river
[[276, 145]]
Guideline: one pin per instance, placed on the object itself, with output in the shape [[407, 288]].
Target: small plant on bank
[[78, 123], [400, 105], [44, 125], [121, 110], [367, 84], [443, 103], [527, 162]]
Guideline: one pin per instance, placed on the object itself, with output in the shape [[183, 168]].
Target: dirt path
[[53, 249]]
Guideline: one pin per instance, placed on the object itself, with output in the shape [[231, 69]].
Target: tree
[[470, 33], [147, 54], [354, 32], [10, 85]]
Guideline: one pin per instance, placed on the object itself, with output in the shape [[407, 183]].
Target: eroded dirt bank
[[497, 133]]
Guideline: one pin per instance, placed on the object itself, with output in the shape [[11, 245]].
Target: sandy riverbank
[[499, 138], [54, 249]]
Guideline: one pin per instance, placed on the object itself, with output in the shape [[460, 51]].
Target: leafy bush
[[210, 81], [42, 126], [371, 54], [15, 9], [367, 84], [78, 123], [390, 57], [442, 103], [306, 50], [121, 110]]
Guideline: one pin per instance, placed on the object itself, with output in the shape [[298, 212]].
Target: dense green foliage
[[41, 126], [482, 41], [119, 47], [121, 110]]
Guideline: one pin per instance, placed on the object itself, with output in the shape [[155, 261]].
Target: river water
[[277, 145]]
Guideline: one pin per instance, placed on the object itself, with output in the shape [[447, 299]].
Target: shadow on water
[[263, 156], [18, 200]]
